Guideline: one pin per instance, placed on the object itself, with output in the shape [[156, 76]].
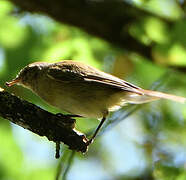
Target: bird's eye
[[24, 72]]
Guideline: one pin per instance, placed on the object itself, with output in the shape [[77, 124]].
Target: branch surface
[[29, 116]]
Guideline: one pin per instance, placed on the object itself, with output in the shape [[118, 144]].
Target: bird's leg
[[96, 131]]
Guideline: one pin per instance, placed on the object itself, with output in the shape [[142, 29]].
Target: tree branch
[[29, 116], [109, 19]]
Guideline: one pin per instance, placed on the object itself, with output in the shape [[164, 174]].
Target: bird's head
[[28, 74]]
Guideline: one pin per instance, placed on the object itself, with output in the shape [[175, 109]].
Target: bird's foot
[[66, 120], [67, 115]]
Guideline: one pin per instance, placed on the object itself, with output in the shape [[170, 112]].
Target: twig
[[57, 150], [65, 164], [69, 163]]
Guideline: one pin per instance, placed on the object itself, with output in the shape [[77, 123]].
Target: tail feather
[[158, 94], [148, 96]]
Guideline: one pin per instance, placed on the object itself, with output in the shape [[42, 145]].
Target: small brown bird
[[83, 90]]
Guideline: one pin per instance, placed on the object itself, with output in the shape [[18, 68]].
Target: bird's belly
[[93, 106], [87, 100], [83, 107], [77, 103]]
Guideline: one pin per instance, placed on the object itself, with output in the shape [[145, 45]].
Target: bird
[[83, 90]]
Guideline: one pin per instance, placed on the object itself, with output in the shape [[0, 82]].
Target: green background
[[149, 142]]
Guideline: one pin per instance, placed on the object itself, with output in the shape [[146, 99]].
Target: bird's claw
[[89, 142]]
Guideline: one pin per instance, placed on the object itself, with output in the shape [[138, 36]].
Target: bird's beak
[[14, 81]]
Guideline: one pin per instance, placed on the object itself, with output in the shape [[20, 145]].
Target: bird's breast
[[80, 98]]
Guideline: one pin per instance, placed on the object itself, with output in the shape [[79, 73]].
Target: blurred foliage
[[150, 143]]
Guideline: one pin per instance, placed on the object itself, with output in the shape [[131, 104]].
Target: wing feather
[[73, 73]]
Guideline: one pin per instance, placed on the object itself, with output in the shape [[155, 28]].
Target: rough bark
[[27, 115]]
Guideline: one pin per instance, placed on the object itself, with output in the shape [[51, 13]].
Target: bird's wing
[[64, 75], [78, 73], [70, 71], [111, 81]]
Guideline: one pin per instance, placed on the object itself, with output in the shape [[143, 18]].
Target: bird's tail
[[148, 96]]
